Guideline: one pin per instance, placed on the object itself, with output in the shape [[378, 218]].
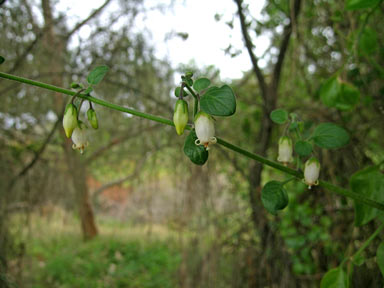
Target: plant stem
[[297, 174], [195, 100], [368, 241]]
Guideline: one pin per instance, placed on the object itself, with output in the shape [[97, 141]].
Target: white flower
[[205, 129], [70, 119], [79, 137], [311, 172], [285, 150]]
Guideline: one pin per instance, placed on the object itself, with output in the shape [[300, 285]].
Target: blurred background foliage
[[151, 217]]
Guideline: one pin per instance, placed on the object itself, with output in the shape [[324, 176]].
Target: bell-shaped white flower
[[205, 129], [79, 137], [70, 119], [285, 150], [311, 172], [180, 117]]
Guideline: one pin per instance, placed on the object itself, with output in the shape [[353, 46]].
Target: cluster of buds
[[76, 129], [311, 167]]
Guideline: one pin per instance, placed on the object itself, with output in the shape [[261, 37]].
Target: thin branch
[[117, 141], [85, 21], [287, 32], [120, 181], [39, 152], [249, 46]]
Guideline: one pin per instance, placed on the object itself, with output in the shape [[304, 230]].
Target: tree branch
[[249, 46], [85, 21], [284, 43]]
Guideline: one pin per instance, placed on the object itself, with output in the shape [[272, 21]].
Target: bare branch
[[287, 32], [117, 141], [249, 46], [85, 21]]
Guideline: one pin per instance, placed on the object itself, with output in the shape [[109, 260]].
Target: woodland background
[[133, 211]]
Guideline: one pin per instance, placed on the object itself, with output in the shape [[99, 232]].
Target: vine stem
[[368, 241], [256, 157]]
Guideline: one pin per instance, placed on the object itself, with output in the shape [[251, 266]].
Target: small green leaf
[[2, 59], [335, 278], [274, 197], [330, 136], [303, 148], [218, 101], [88, 90], [358, 260], [279, 116], [97, 74], [369, 183], [360, 4], [201, 84], [348, 97], [177, 92], [368, 41], [196, 153], [329, 91], [380, 257]]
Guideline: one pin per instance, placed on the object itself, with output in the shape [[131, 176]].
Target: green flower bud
[[70, 119], [92, 118], [180, 117]]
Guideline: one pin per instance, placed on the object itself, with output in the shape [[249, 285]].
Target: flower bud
[[70, 119], [180, 117], [285, 150], [311, 172], [205, 129], [92, 118], [79, 137]]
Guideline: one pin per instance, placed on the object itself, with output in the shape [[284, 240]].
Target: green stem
[[368, 241], [195, 100], [297, 174]]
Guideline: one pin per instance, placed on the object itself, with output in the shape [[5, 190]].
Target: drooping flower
[[311, 172], [205, 129], [180, 117], [79, 137], [285, 150], [70, 119], [92, 118]]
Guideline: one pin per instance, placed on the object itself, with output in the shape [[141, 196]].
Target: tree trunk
[[55, 47]]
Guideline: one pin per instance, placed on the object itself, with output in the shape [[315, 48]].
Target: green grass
[[121, 256], [103, 262]]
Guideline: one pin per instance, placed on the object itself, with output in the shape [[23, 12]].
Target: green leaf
[[196, 153], [2, 59], [97, 74], [368, 41], [380, 257], [329, 91], [360, 4], [358, 260], [348, 97], [201, 84], [177, 92], [330, 136], [274, 196], [279, 116], [303, 148], [88, 90], [335, 278], [218, 101], [369, 183]]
